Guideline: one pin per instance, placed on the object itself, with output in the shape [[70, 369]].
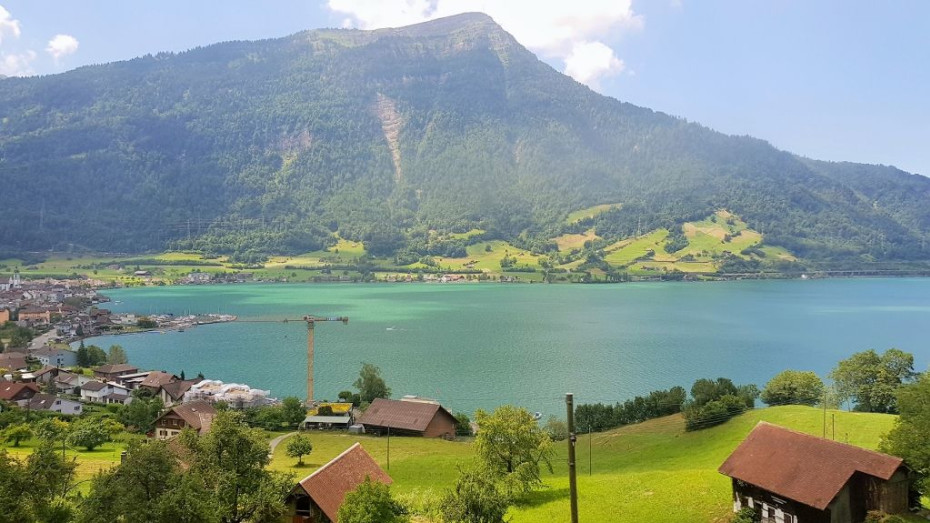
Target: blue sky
[[830, 79]]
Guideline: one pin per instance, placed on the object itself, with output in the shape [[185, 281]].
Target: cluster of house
[[46, 302]]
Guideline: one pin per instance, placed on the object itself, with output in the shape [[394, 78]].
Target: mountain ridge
[[383, 136]]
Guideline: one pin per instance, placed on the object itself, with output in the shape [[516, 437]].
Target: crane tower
[[311, 322]]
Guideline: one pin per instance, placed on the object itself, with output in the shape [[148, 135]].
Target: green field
[[590, 212], [654, 471], [709, 241]]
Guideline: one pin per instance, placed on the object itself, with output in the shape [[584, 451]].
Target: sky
[[843, 80]]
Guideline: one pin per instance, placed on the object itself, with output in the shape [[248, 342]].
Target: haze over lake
[[481, 345]]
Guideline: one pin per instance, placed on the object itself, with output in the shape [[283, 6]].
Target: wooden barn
[[410, 418], [792, 477], [317, 498]]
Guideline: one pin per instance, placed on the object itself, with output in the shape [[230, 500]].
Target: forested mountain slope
[[383, 136]]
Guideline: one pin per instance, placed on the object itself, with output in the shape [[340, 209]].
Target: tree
[[51, 476], [298, 447], [347, 396], [371, 502], [871, 380], [793, 387], [908, 437], [293, 411], [511, 445], [17, 433], [462, 424], [88, 433], [231, 459], [148, 486], [51, 429], [475, 498], [139, 415], [90, 356], [14, 483], [117, 355], [556, 429], [370, 384]]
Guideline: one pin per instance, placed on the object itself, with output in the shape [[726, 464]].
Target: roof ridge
[[828, 441]]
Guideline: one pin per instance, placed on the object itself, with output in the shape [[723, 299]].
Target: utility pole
[[389, 449], [572, 486], [824, 413]]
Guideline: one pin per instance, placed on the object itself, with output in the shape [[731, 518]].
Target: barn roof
[[802, 467], [329, 484], [9, 389], [403, 415]]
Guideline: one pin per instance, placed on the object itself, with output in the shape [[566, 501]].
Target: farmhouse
[[197, 415], [317, 497], [792, 477], [415, 418]]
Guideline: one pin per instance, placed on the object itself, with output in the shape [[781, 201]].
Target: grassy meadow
[[653, 471]]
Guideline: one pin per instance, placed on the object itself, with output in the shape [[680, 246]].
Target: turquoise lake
[[482, 345]]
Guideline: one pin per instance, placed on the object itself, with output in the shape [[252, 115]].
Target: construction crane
[[311, 322]]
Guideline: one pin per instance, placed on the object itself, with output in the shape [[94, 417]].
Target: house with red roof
[[317, 498], [792, 477]]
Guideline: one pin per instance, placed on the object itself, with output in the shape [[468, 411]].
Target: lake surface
[[482, 345]]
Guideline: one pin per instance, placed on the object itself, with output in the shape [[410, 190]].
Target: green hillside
[[406, 140]]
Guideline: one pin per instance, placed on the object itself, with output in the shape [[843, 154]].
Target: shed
[[413, 418], [317, 497], [791, 477]]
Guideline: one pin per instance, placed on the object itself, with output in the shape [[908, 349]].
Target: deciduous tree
[[793, 387], [371, 502], [370, 384], [871, 380], [908, 438], [475, 498], [299, 446], [511, 445]]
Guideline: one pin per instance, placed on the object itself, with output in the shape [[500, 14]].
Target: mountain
[[392, 137]]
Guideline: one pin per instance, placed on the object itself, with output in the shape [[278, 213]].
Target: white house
[[51, 357], [50, 403], [100, 392]]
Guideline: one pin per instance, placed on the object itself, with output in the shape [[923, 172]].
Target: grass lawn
[[653, 471], [568, 242]]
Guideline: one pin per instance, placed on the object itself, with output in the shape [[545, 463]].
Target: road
[[274, 443], [41, 341]]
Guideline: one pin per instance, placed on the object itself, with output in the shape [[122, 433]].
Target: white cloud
[[575, 32], [589, 61], [8, 25], [17, 64], [62, 45]]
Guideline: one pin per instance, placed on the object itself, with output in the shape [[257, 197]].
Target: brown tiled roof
[[42, 402], [13, 360], [94, 386], [197, 414], [802, 467], [119, 367], [157, 378], [329, 484], [9, 389], [403, 415], [176, 389]]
